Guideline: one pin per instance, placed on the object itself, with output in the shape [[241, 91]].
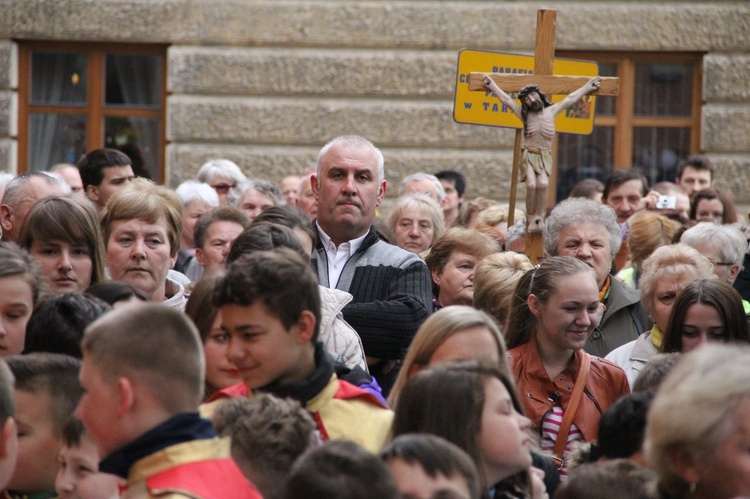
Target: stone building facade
[[266, 83]]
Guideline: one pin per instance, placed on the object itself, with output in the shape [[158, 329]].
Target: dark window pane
[[133, 80], [58, 78], [138, 138], [663, 89], [583, 156], [55, 138], [658, 151], [606, 105]]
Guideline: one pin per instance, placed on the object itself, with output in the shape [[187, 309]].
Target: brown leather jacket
[[605, 384]]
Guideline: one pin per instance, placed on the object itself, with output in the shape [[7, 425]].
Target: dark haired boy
[[270, 308], [104, 171]]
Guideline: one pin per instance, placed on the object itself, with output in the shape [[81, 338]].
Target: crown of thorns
[[527, 90]]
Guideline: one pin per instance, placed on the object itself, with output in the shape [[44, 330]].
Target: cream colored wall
[[266, 83]]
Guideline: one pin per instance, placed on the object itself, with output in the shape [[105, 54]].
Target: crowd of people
[[236, 338]]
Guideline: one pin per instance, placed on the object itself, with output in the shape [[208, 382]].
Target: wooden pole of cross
[[544, 58]]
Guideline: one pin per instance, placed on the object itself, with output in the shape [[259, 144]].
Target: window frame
[[624, 122], [95, 109]]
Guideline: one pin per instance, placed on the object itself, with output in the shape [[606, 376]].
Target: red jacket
[[605, 384]]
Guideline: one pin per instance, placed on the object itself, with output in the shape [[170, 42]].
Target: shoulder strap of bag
[[570, 411]]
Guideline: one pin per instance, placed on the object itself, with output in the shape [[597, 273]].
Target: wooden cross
[[544, 58]]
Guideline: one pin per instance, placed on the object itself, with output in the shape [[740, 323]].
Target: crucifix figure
[[538, 114]]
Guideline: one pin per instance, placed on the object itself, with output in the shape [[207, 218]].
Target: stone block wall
[[266, 83]]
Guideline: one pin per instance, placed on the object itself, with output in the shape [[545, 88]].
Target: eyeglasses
[[223, 188], [722, 264]]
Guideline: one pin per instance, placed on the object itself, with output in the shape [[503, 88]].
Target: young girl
[[20, 283], [63, 235], [706, 311], [555, 309], [474, 407], [220, 372]]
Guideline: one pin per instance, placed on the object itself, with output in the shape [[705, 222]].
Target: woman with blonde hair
[[449, 335], [665, 273], [648, 231], [555, 310], [495, 281], [698, 425]]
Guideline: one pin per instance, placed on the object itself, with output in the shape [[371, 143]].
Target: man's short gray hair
[[575, 211], [730, 242], [193, 190], [353, 141], [14, 194]]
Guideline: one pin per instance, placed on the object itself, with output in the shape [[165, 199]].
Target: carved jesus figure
[[538, 116]]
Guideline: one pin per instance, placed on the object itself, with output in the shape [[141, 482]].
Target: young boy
[[143, 375], [47, 391], [8, 433], [78, 476], [270, 306]]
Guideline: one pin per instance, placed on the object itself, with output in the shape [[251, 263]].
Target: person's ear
[[6, 217], [734, 270], [684, 464], [8, 430], [92, 192], [534, 304], [305, 327], [315, 184], [381, 191], [199, 256], [436, 277], [126, 391]]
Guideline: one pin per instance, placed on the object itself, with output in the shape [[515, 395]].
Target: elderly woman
[[648, 231], [588, 231], [254, 196], [197, 199], [452, 261], [563, 389], [142, 225], [665, 273], [696, 435], [221, 174], [495, 282], [63, 235], [416, 222]]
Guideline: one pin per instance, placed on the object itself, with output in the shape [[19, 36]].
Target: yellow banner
[[483, 108]]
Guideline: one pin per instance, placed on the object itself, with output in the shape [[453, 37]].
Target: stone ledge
[[325, 72], [315, 121], [8, 65], [733, 175], [726, 128], [725, 77], [432, 25], [8, 156], [487, 172], [8, 114]]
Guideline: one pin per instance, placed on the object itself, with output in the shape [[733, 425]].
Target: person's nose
[[139, 249], [584, 251], [349, 186], [584, 319], [66, 482], [63, 263], [235, 351]]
